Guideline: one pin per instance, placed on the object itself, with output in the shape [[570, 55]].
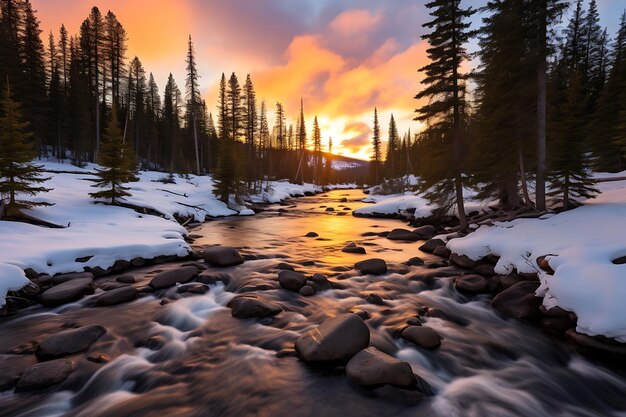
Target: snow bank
[[12, 279], [277, 191], [583, 241]]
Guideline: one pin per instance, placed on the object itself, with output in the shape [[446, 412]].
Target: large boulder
[[472, 284], [169, 278], [67, 292], [373, 367], [44, 375], [431, 245], [519, 300], [117, 296], [291, 280], [11, 367], [374, 266], [336, 339], [222, 256], [403, 234], [422, 336], [250, 306], [69, 341], [426, 232]]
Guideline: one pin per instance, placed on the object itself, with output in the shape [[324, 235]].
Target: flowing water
[[203, 362]]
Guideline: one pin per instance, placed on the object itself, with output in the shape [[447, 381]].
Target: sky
[[342, 57]]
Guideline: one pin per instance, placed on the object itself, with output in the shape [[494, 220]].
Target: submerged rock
[[336, 339], [11, 367], [374, 266], [307, 290], [44, 375], [373, 367], [222, 256], [67, 292], [403, 234], [431, 245], [353, 248], [69, 342], [311, 234], [169, 278], [422, 336], [251, 306]]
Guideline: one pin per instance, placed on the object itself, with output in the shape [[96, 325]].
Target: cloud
[[360, 137]]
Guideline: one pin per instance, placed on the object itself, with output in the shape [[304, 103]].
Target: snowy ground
[[101, 234], [583, 241]]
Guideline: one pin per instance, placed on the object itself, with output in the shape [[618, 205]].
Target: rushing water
[[207, 363]]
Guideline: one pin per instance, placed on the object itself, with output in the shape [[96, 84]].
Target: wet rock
[[117, 296], [431, 245], [126, 279], [11, 367], [426, 232], [291, 280], [47, 280], [44, 375], [422, 336], [69, 341], [375, 299], [343, 200], [154, 343], [67, 292], [284, 353], [251, 306], [598, 345], [485, 270], [199, 266], [353, 248], [99, 358], [383, 234], [111, 285], [120, 265], [519, 300], [472, 284], [383, 342], [415, 261], [374, 266], [360, 312], [373, 367], [213, 278], [307, 290], [311, 234], [193, 288], [284, 267], [222, 256], [369, 234], [138, 261], [30, 290], [442, 251], [403, 234], [440, 314], [330, 209], [169, 278], [463, 261], [336, 339]]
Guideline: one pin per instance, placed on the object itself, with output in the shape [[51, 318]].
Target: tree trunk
[[541, 109], [522, 172], [195, 138]]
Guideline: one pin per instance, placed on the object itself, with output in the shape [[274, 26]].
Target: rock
[[99, 358], [307, 290], [440, 314], [169, 278], [193, 288], [47, 280], [473, 284], [544, 264], [485, 270], [415, 261], [353, 248], [213, 278], [426, 232], [336, 339], [442, 251], [598, 345], [403, 234], [126, 279], [222, 256], [373, 367], [422, 336], [284, 267], [30, 290], [291, 280], [11, 367], [44, 375], [67, 292], [619, 261], [431, 245], [330, 209], [507, 281], [383, 342], [117, 296], [343, 200], [374, 266], [375, 299], [463, 261], [360, 312], [311, 234], [250, 306], [138, 261], [69, 341], [519, 300]]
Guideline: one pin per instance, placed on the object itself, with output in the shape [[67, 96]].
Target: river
[[204, 362]]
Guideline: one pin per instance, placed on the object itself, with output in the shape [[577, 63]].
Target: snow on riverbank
[[97, 235], [584, 241]]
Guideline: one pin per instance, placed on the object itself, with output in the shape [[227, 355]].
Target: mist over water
[[190, 357]]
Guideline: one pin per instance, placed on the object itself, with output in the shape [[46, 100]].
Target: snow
[[583, 243], [13, 279], [277, 191]]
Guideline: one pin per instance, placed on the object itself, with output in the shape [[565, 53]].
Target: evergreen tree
[[376, 150], [250, 124], [118, 162], [172, 103], [391, 165], [302, 144], [193, 101], [445, 88], [222, 111], [18, 175], [317, 150]]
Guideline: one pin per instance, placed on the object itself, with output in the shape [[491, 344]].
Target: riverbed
[[188, 356]]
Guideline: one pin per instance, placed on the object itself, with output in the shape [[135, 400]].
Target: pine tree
[[118, 162], [193, 100], [302, 144], [391, 165], [376, 150], [317, 150], [18, 175], [445, 88], [250, 124], [222, 111]]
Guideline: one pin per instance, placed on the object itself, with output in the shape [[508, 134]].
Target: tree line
[[71, 87], [546, 105]]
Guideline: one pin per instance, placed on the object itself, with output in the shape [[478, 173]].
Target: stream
[[190, 357]]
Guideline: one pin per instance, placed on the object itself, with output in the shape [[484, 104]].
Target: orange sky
[[343, 57]]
